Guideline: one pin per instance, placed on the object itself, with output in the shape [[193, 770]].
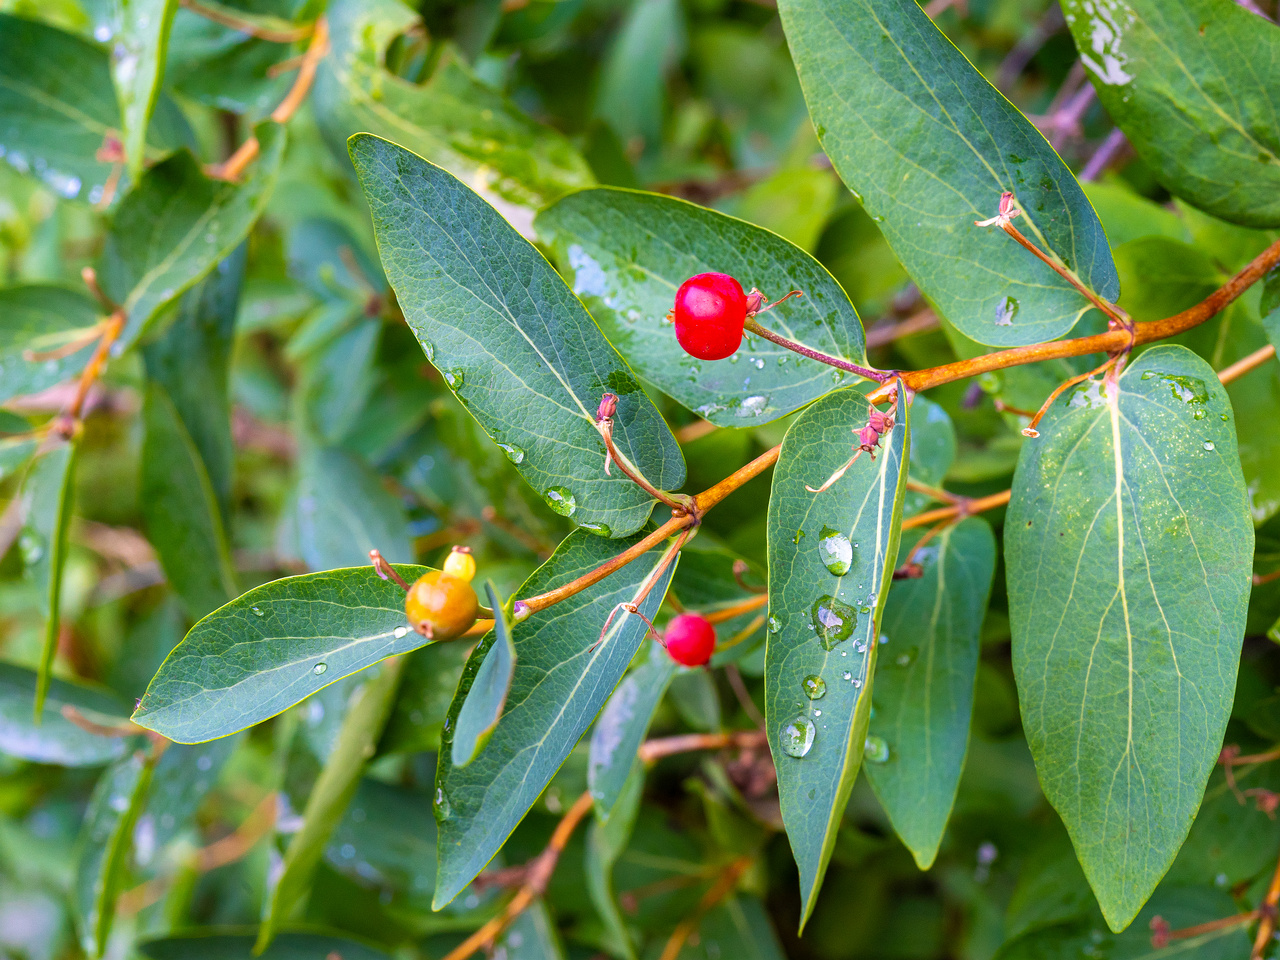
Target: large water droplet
[[320, 668], [797, 736], [774, 624], [1186, 389], [257, 611], [1208, 444], [751, 406], [835, 551], [441, 808], [601, 529], [814, 687], [876, 750], [1006, 310], [401, 632], [514, 453], [560, 500], [1198, 415], [833, 620], [454, 378]]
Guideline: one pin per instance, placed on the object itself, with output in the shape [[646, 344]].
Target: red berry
[[691, 639], [709, 313]]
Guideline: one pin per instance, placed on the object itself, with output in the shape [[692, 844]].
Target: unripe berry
[[690, 639], [441, 604], [709, 313]]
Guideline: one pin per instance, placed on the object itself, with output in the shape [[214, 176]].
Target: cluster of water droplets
[[1190, 390]]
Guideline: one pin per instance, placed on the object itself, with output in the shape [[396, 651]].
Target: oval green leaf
[[890, 96], [1128, 548], [482, 709], [824, 624], [512, 341], [626, 252], [1194, 85], [275, 646], [925, 679], [564, 673]]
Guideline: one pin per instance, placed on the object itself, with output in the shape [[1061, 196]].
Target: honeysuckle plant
[[474, 492]]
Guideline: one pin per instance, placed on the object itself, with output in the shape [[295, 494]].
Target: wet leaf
[[925, 679], [1126, 678], [229, 946], [273, 647], [626, 253], [140, 45], [885, 120], [482, 709], [606, 841], [55, 739], [513, 342], [387, 839], [565, 670], [824, 625], [183, 777]]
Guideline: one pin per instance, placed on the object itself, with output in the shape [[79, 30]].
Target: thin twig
[[1268, 922], [1162, 936], [652, 750], [743, 695], [1245, 364], [880, 376], [719, 890], [244, 25], [694, 431], [936, 493], [1103, 157], [916, 323], [966, 507], [737, 609]]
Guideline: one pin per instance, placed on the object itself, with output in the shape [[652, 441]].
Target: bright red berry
[[691, 639], [709, 313]]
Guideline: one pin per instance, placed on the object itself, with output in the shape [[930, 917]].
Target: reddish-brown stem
[[1109, 342], [880, 376], [719, 890], [1267, 924], [756, 623], [538, 876], [82, 339], [936, 493], [68, 422], [740, 569], [1030, 429], [677, 503], [1236, 760], [916, 323], [966, 507], [1245, 364], [1260, 578], [652, 750], [122, 728], [1162, 936], [385, 570], [244, 25], [713, 495], [694, 431], [743, 606]]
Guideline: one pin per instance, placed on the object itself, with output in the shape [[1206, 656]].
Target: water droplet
[[751, 406], [814, 687], [401, 632], [1006, 310], [833, 620], [876, 750], [560, 500], [818, 713], [1208, 444], [906, 658], [320, 668], [454, 378], [796, 738], [514, 453], [257, 611], [1198, 415], [1225, 418], [441, 808], [31, 545], [1186, 389], [774, 624], [428, 348], [835, 550], [757, 362], [602, 529], [847, 675], [798, 537]]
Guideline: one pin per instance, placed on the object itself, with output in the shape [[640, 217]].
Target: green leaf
[[606, 841], [933, 450], [41, 318], [16, 453], [513, 342], [331, 795], [103, 847], [425, 694], [1193, 85], [482, 709], [565, 670], [623, 725], [631, 90], [183, 777], [925, 680], [627, 252], [739, 928], [48, 491], [452, 119], [1128, 547], [824, 625], [180, 509], [141, 41], [287, 946], [890, 96], [55, 739], [176, 224], [342, 511], [1270, 308], [388, 837], [273, 647], [338, 379], [531, 936], [57, 107]]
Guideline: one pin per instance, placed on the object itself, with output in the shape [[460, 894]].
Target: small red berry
[[709, 313], [690, 639]]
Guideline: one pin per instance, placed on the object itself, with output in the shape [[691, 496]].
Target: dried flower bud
[[608, 407], [868, 437]]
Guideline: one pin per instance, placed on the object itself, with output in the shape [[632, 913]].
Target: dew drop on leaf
[[1208, 444], [774, 624], [561, 501], [441, 808], [1006, 310], [257, 611], [454, 378], [835, 551], [814, 687], [833, 620], [797, 736], [600, 529], [876, 750], [514, 453], [401, 632], [320, 668]]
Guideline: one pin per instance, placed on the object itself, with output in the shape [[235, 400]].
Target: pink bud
[[608, 407], [880, 422], [868, 437], [755, 300]]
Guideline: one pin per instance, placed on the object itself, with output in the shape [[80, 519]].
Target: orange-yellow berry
[[441, 606], [460, 564]]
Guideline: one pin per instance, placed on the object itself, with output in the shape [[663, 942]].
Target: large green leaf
[[104, 846], [482, 709], [274, 646], [925, 679], [55, 739], [513, 342], [626, 253], [933, 450], [929, 146], [387, 838], [40, 318], [183, 777], [741, 928], [180, 509], [331, 795], [141, 41], [1128, 548], [452, 119], [48, 492], [176, 224], [1195, 86], [831, 559], [232, 946], [564, 672], [606, 841], [531, 936]]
